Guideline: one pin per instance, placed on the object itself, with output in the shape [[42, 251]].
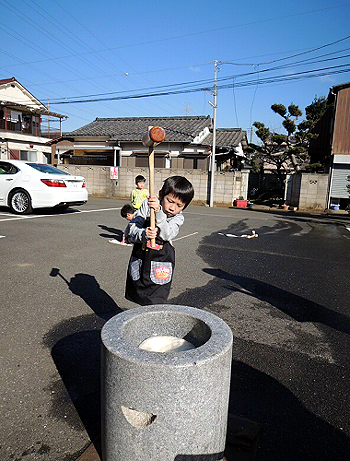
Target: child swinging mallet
[[150, 269]]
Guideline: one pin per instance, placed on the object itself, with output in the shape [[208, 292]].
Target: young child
[[127, 212], [150, 269], [139, 194]]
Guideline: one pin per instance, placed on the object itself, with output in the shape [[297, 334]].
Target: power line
[[207, 83], [206, 31], [204, 84], [265, 81]]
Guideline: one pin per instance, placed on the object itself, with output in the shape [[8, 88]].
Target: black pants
[[150, 273]]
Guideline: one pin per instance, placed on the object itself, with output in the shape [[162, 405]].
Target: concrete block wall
[[313, 191], [227, 185], [308, 191]]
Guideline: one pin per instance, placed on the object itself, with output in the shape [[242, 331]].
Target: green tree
[[288, 151]]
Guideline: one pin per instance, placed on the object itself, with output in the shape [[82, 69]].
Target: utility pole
[[211, 201], [48, 118]]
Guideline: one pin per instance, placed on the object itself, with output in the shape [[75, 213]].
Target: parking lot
[[284, 293]]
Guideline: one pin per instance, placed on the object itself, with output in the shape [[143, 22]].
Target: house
[[340, 143], [22, 135], [118, 142], [333, 144]]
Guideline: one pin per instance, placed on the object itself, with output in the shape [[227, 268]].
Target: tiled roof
[[226, 137], [177, 129]]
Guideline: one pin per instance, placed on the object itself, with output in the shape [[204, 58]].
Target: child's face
[[172, 205], [140, 185], [129, 216]]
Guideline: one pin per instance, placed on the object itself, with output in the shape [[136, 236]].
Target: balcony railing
[[18, 127]]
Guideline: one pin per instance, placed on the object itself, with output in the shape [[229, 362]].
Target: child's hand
[[153, 202], [151, 232]]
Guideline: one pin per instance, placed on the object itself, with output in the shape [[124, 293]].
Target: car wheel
[[20, 202]]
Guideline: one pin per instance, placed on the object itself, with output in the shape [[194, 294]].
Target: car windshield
[[43, 168]]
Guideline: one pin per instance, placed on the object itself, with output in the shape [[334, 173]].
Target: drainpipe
[[116, 148]]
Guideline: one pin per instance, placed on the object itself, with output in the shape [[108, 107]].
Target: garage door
[[340, 174]]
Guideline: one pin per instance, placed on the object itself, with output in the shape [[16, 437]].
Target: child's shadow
[[87, 287], [75, 348], [113, 233]]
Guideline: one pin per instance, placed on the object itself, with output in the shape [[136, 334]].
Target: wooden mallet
[[154, 136]]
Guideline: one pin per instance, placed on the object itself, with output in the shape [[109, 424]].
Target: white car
[[25, 186]]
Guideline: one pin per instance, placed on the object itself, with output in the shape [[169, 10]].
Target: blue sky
[[267, 52]]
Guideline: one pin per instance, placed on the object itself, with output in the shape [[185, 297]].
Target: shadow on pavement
[[75, 348], [289, 430], [87, 287], [113, 233], [297, 307]]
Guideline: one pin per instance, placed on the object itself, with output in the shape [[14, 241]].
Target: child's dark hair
[[126, 209], [139, 178], [180, 187]]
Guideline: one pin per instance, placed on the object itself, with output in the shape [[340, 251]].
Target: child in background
[[127, 212], [150, 269], [139, 194]]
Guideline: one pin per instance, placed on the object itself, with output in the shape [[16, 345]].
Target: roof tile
[[226, 137], [177, 129]]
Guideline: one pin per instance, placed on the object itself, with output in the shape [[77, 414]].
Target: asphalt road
[[285, 294]]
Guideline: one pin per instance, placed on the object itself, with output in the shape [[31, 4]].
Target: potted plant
[[240, 202]]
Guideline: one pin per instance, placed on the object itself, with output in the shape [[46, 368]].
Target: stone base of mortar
[[242, 442]]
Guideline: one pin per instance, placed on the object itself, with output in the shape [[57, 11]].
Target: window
[[15, 116], [195, 163], [27, 123], [7, 168], [46, 168], [142, 161], [29, 155]]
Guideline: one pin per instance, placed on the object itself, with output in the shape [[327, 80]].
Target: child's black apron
[[150, 273]]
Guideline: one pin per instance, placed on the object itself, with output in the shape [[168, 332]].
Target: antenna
[[188, 110]]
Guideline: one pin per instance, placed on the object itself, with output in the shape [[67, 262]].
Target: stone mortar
[[165, 406]]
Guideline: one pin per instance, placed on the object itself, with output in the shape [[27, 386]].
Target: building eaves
[[34, 110], [40, 109], [5, 81], [132, 129], [337, 88]]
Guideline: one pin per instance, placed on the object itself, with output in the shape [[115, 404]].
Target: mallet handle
[[155, 135], [151, 189]]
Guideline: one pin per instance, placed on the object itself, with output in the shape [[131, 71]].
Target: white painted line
[[16, 218], [2, 236], [185, 236], [99, 209]]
